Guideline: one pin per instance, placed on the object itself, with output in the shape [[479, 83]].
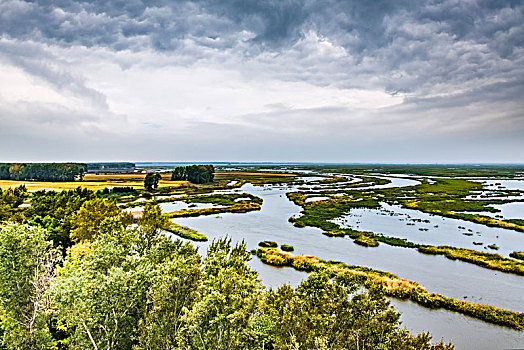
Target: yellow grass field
[[92, 182], [98, 182]]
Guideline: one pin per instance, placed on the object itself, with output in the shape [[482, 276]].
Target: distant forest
[[197, 174], [113, 167], [42, 171]]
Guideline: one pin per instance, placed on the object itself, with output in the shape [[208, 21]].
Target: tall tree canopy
[[197, 174], [151, 181]]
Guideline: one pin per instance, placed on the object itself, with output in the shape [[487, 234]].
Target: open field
[[93, 182], [99, 182]]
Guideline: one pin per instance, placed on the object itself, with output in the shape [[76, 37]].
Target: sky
[[251, 80]]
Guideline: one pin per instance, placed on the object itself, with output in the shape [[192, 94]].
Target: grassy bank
[[185, 232], [488, 260], [394, 286], [236, 208]]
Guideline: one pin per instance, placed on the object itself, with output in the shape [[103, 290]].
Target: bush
[[517, 255], [366, 240], [287, 247], [268, 244]]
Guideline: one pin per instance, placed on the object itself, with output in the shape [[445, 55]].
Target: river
[[436, 273]]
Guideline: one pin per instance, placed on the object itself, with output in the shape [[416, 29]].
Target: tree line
[[197, 174], [134, 288], [78, 272], [57, 172]]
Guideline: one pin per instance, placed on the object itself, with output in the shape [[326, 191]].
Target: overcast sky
[[253, 80]]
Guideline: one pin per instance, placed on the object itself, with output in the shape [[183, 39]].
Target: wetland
[[445, 245]]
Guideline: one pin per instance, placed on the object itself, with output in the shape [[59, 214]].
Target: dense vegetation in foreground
[[392, 286], [134, 288]]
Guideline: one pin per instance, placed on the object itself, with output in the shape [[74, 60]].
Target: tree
[[98, 294], [222, 319], [179, 174], [150, 226], [86, 221], [10, 200], [111, 295], [42, 171], [26, 269], [175, 288], [151, 181], [197, 174], [338, 313], [61, 207]]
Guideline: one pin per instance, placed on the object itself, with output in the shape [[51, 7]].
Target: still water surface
[[436, 273]]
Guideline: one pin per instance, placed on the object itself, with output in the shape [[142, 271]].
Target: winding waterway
[[422, 228], [436, 273]]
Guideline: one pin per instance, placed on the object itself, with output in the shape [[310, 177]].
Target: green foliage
[[151, 181], [393, 286], [185, 232], [221, 199], [117, 192], [270, 244], [222, 319], [487, 260], [55, 172], [287, 248], [86, 221], [10, 200], [237, 208], [174, 289], [397, 242], [60, 208], [150, 226], [366, 239], [320, 213], [334, 312], [517, 255], [197, 174], [26, 268], [116, 292]]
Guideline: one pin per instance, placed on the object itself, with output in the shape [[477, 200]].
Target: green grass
[[394, 286], [367, 240], [287, 247], [268, 244], [488, 260], [185, 232], [236, 208], [517, 255]]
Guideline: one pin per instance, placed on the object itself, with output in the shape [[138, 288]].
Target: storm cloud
[[289, 80]]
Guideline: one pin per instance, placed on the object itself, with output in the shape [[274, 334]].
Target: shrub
[[287, 247], [268, 244], [517, 255]]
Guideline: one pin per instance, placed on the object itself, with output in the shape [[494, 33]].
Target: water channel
[[436, 273]]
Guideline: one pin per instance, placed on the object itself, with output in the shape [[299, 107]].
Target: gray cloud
[[457, 66]]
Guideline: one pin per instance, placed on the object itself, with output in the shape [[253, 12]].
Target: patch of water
[[422, 228], [465, 332], [516, 184], [438, 274]]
